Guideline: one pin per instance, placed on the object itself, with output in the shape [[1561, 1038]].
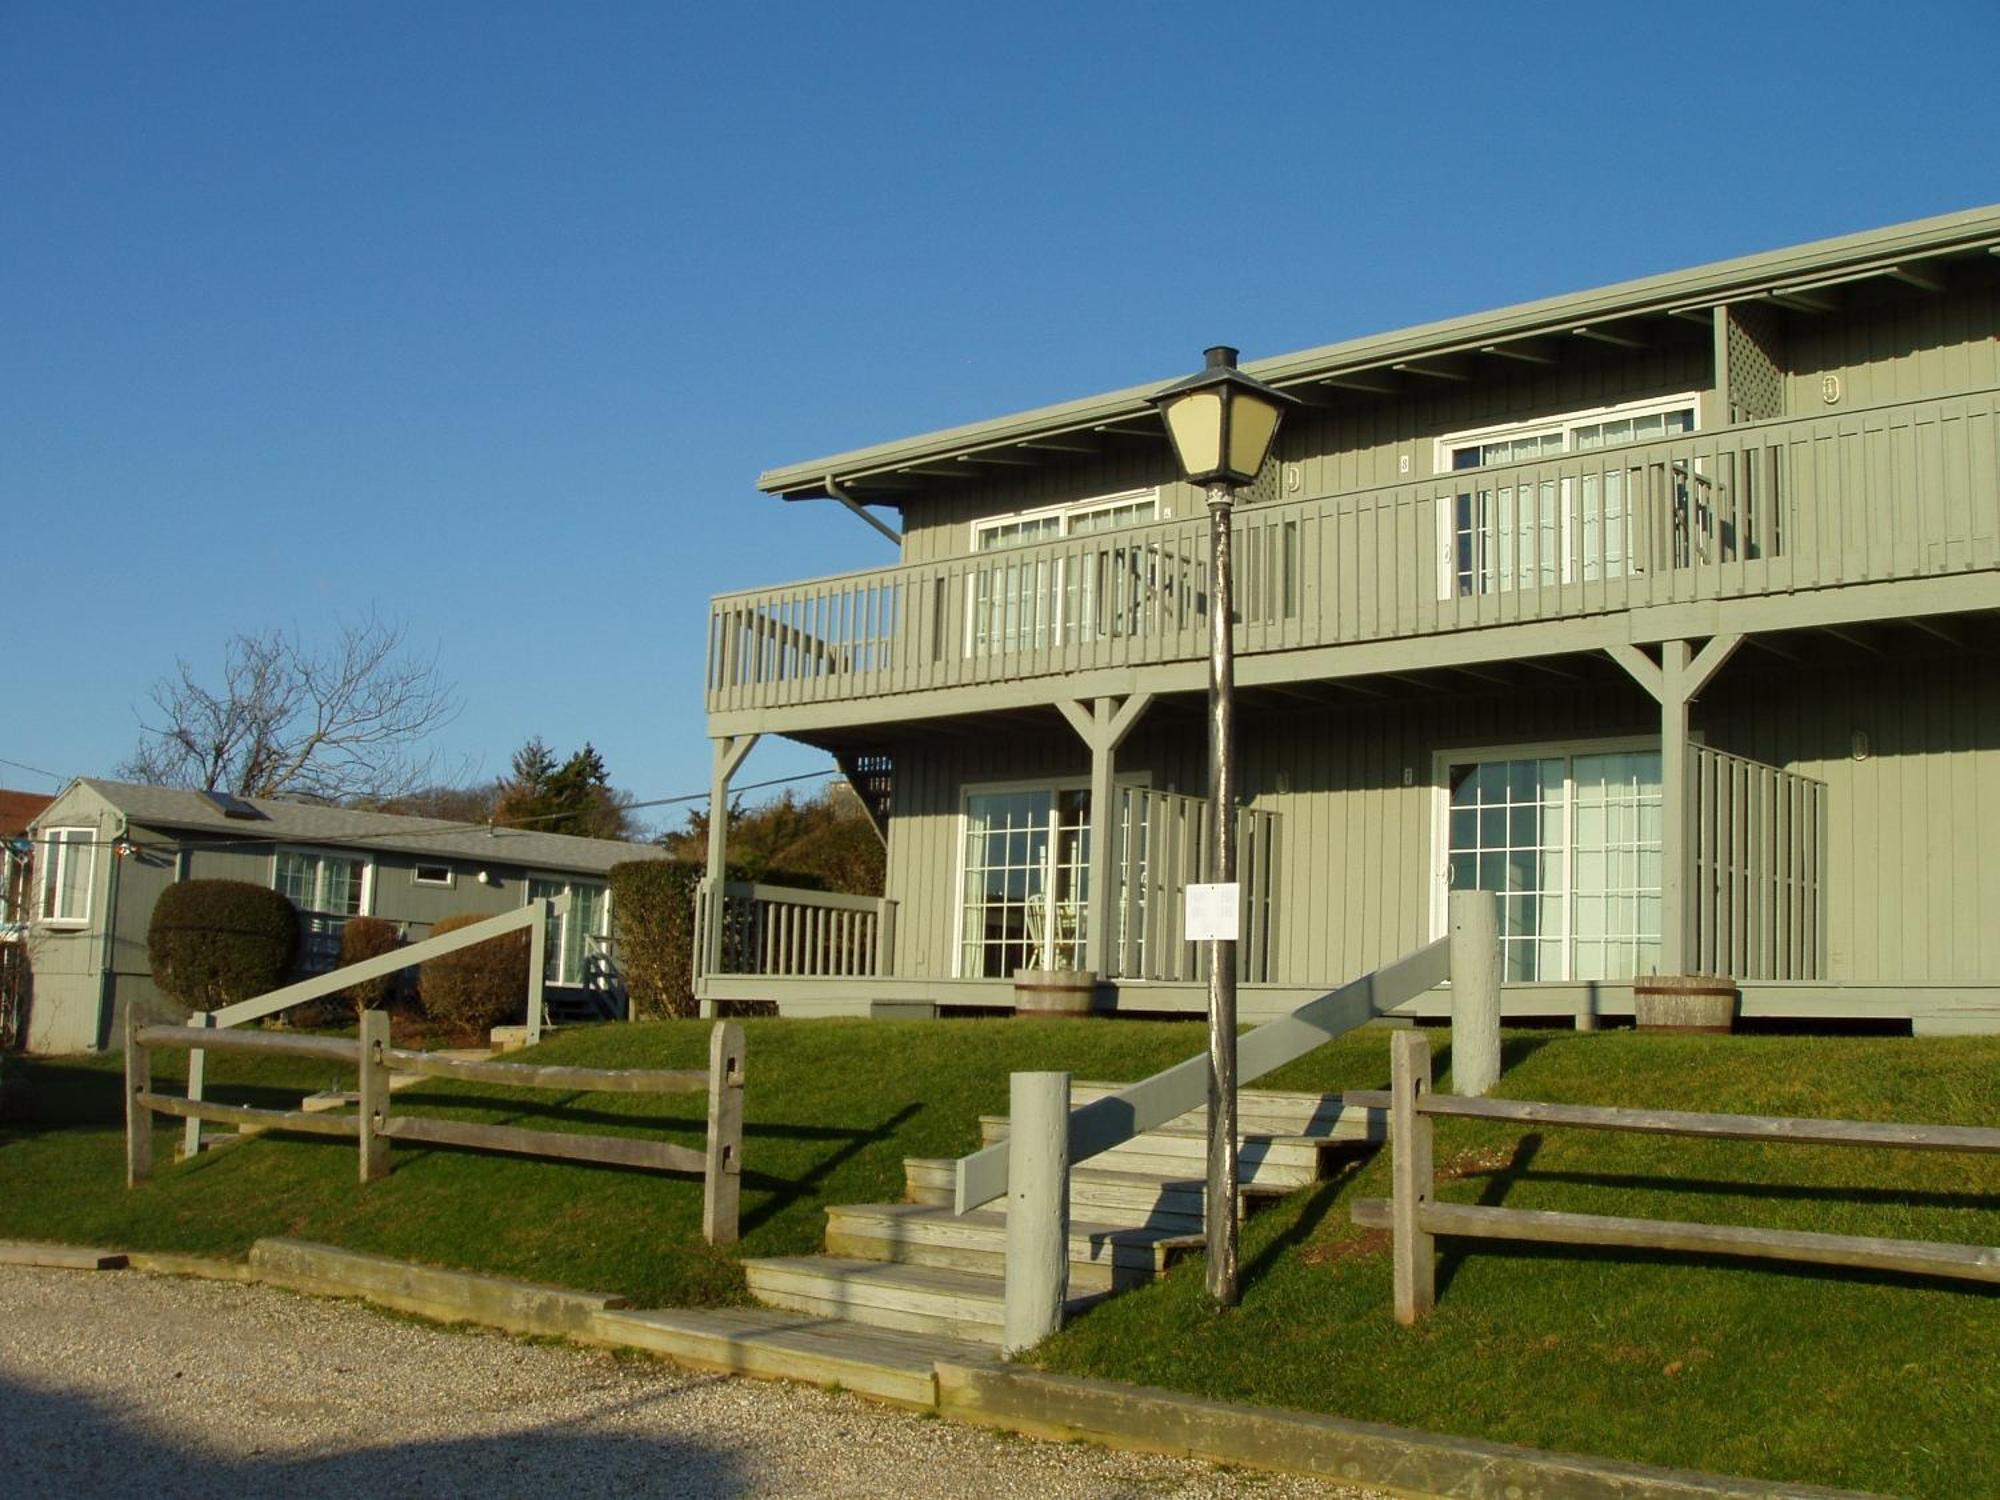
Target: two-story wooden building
[[1668, 610]]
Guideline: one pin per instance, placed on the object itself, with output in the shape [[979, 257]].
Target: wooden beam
[[1499, 677], [609, 1150], [932, 471], [1143, 434], [1861, 637], [1451, 367], [242, 1114], [1645, 671], [1803, 301], [1372, 383], [533, 1076], [1526, 351], [1941, 629], [1053, 445], [1598, 334], [277, 1043], [1001, 460], [1924, 276]]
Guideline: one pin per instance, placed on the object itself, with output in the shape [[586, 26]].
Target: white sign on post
[[1214, 913]]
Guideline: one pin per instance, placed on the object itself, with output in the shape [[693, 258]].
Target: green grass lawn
[[1881, 1383]]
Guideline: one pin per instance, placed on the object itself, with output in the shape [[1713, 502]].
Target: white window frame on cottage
[[418, 877], [1525, 535], [365, 900], [557, 967], [53, 881], [1568, 751], [1010, 605]]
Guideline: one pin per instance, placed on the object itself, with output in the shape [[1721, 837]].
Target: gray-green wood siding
[[1913, 856]]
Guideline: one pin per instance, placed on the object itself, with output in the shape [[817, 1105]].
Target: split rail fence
[[1415, 1218], [373, 1125]]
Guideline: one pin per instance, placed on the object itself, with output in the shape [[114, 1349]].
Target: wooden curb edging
[[1400, 1459], [1008, 1397]]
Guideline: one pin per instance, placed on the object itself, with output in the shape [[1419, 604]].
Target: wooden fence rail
[[1415, 1218], [719, 1163]]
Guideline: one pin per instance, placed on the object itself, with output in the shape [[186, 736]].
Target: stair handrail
[[1116, 1118]]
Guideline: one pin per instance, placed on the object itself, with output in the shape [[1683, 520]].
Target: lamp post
[[1222, 423]]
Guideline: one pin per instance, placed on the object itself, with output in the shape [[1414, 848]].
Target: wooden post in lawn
[[197, 1078], [1415, 1261], [1037, 1209], [1475, 992], [138, 1118], [722, 1175], [374, 1095]]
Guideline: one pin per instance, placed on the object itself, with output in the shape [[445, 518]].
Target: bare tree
[[334, 723]]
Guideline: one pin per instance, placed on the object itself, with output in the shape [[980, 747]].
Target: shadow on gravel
[[58, 1444]]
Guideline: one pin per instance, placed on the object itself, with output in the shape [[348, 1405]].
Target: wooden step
[[1276, 1112], [1274, 1163], [883, 1294], [764, 1342], [1103, 1257], [1096, 1194]]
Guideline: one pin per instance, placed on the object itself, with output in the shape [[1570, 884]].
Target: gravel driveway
[[121, 1383]]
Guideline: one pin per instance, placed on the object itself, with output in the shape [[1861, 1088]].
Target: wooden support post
[[1475, 991], [1103, 729], [374, 1095], [722, 1169], [1673, 807], [197, 1081], [1415, 1259], [138, 1118], [730, 751], [1037, 1208]]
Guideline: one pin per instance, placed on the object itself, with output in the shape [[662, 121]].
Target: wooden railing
[[1898, 491], [1756, 855], [773, 929], [373, 1126], [1416, 1218], [1163, 844]]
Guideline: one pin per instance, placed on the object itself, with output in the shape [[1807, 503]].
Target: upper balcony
[[1766, 525]]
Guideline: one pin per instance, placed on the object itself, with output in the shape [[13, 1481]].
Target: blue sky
[[485, 317]]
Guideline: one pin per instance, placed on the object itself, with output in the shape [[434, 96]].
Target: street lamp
[[1222, 423]]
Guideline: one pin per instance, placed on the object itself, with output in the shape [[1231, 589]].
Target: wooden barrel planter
[[1054, 992], [1684, 1002]]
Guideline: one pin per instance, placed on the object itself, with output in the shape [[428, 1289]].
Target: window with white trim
[[1571, 844], [69, 861], [1524, 530], [1019, 603], [578, 943], [433, 875], [322, 882], [1025, 884]]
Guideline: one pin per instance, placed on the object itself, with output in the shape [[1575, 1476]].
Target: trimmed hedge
[[479, 987], [361, 939], [214, 942], [652, 915]]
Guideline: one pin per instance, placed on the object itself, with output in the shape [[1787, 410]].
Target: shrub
[[478, 987], [364, 938], [213, 942], [652, 917]]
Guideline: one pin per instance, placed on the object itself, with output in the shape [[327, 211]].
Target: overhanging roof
[[1904, 251]]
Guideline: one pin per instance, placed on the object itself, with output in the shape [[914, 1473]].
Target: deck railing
[[1898, 491], [1756, 852], [773, 929]]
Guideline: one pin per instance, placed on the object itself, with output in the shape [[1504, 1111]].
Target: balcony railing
[[1891, 492]]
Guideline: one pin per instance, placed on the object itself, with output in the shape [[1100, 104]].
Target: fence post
[[1038, 1210], [374, 1095], [1415, 1262], [722, 1175], [138, 1118], [1475, 992], [197, 1079]]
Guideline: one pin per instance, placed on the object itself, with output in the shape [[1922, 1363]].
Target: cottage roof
[[1911, 252], [286, 822]]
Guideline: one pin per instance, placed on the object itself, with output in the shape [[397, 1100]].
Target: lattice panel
[[1756, 370]]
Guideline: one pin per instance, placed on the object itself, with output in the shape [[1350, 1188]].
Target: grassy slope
[[1882, 1383], [1879, 1383]]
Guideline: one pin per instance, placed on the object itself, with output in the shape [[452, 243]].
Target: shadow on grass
[[1499, 1183], [1514, 1050], [785, 1192], [1800, 1192], [1323, 1195]]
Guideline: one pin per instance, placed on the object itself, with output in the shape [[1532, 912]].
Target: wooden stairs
[[919, 1268]]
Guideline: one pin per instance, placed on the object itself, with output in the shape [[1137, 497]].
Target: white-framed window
[[1017, 603], [1524, 531], [1569, 837], [68, 865], [323, 882], [578, 943], [428, 874]]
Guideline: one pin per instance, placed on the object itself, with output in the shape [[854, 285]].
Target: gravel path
[[121, 1383]]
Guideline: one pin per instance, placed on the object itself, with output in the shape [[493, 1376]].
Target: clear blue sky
[[486, 316]]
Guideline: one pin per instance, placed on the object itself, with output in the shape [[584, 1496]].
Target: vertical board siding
[[1889, 349]]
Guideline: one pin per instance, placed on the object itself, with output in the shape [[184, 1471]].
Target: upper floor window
[[317, 881], [1105, 513], [1525, 530], [69, 859]]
